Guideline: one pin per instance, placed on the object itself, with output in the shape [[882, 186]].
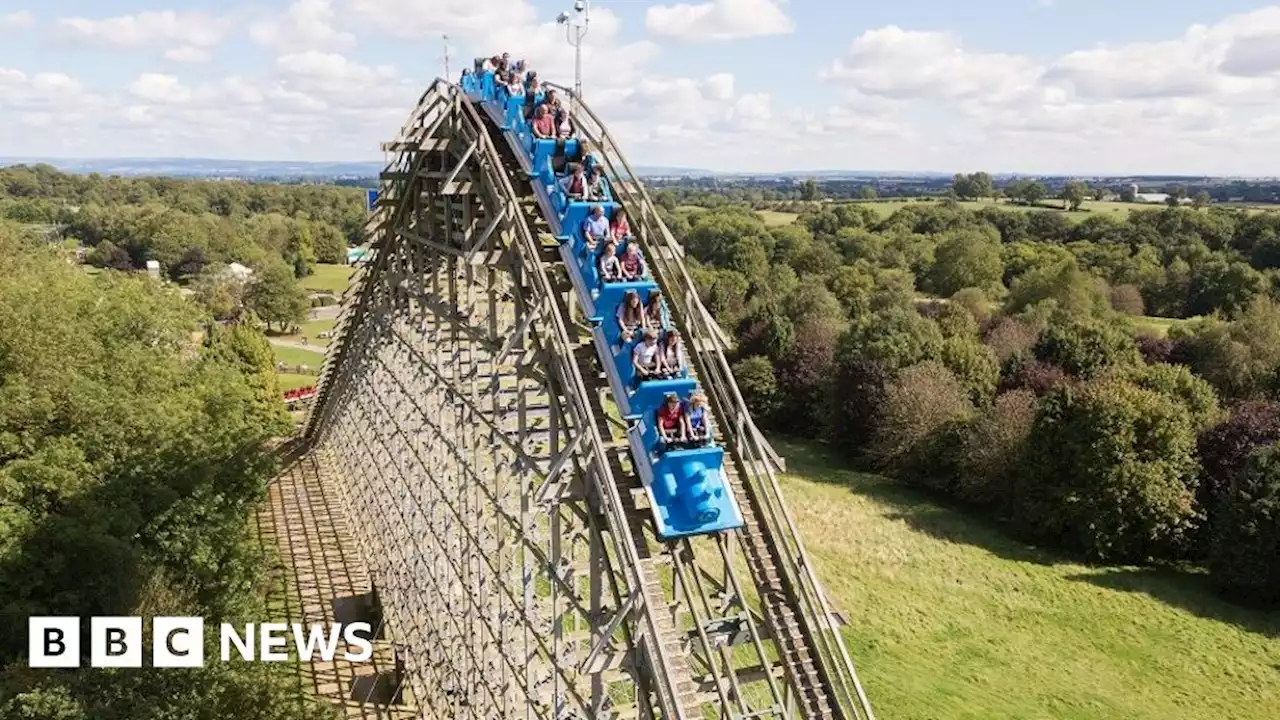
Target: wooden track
[[321, 581]]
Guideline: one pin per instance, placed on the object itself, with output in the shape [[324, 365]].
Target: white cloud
[[20, 20], [422, 19], [719, 20], [305, 25], [185, 36], [157, 88]]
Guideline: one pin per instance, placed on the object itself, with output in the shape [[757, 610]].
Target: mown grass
[[295, 356], [773, 218], [1158, 326], [289, 381], [949, 618], [310, 330], [328, 278]]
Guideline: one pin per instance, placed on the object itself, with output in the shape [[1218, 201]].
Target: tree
[[192, 262], [1114, 472], [1074, 194], [993, 449], [918, 408], [1127, 299], [966, 259], [1176, 194], [759, 387], [110, 257], [1245, 557], [868, 192], [1225, 448], [1201, 199], [809, 191], [1087, 347], [804, 376], [765, 331], [276, 296], [972, 187]]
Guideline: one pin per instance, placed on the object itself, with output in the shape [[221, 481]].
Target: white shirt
[[645, 354]]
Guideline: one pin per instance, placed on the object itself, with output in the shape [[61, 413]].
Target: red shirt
[[620, 229], [544, 126], [669, 417]]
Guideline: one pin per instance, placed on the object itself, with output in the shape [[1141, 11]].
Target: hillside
[[950, 619]]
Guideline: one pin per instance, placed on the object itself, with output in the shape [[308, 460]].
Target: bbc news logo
[[178, 642]]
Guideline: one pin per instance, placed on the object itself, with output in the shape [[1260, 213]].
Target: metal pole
[[446, 56]]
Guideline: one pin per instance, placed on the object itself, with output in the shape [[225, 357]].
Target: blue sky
[[1005, 85]]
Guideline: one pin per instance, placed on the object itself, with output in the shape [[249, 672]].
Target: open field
[[773, 218], [328, 278], [294, 356], [1159, 326], [310, 330], [293, 382], [949, 619]]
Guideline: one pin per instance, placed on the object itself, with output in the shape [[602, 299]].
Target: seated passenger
[[619, 228], [515, 88], [574, 184], [633, 267], [595, 229], [610, 268], [595, 185], [564, 126], [531, 83], [543, 125], [670, 355], [644, 358], [671, 422], [653, 309], [630, 315], [697, 419], [504, 63]]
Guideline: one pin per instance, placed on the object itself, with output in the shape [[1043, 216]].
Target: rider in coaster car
[[653, 310], [671, 422], [595, 229], [670, 359], [644, 358], [595, 185], [630, 316], [633, 267], [619, 228], [610, 268], [543, 125], [697, 419], [574, 185]]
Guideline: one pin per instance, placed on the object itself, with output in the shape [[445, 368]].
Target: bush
[[1177, 382], [954, 321], [895, 338], [975, 301], [1009, 337], [1225, 447], [857, 404], [1127, 299], [974, 365], [993, 448], [765, 331], [1245, 557], [759, 387], [804, 378], [1086, 347], [1037, 377], [1156, 350], [1114, 472], [919, 407]]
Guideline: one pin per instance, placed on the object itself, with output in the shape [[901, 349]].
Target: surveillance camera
[[579, 6], [562, 18]]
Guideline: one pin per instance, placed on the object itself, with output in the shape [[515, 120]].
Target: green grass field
[[295, 356], [773, 218], [949, 619], [1159, 326], [293, 382], [311, 330], [329, 278]]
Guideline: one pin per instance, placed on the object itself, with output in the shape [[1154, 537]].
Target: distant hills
[[301, 170]]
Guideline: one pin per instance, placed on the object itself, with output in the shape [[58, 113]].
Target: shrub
[[1127, 299], [759, 387], [955, 321], [1037, 377], [993, 448], [974, 365], [857, 404], [804, 378], [975, 301], [1177, 382], [895, 338], [1114, 471], [1008, 337], [765, 331], [1245, 557], [1156, 350], [1225, 447], [918, 406], [1086, 347]]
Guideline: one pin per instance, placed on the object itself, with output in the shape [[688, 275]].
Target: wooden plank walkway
[[321, 579]]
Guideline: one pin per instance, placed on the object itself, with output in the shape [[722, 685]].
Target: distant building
[[153, 268], [1157, 198]]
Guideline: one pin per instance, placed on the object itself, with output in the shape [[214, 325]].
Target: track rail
[[801, 617]]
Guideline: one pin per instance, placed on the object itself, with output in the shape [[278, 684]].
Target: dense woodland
[[992, 356], [132, 450]]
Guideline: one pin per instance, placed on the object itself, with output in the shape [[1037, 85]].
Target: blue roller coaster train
[[686, 486]]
